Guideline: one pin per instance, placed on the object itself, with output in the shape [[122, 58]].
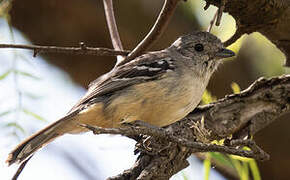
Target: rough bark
[[237, 114]]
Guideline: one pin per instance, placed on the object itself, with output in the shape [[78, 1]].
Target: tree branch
[[82, 49], [156, 31], [251, 110], [180, 140], [111, 22]]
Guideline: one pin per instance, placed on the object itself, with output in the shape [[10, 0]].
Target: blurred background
[[36, 91]]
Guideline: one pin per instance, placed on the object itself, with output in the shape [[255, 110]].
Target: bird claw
[[200, 131]]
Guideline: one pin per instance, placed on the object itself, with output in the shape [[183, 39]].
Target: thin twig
[[156, 31], [112, 25], [252, 145], [212, 22], [217, 16], [67, 50], [228, 150], [20, 169], [220, 12]]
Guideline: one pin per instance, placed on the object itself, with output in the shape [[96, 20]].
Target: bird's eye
[[198, 47]]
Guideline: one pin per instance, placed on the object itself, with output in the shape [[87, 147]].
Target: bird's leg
[[143, 141], [149, 144], [200, 131], [137, 123]]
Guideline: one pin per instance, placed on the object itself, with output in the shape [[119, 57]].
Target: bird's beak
[[225, 53]]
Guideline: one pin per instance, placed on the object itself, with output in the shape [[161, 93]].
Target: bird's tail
[[29, 146]]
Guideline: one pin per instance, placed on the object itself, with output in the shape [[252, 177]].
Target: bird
[[158, 88]]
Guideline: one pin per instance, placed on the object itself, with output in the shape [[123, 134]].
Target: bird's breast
[[160, 103]]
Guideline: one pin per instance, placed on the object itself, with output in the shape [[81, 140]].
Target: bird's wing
[[144, 68]]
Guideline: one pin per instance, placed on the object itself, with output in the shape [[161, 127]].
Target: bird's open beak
[[225, 53]]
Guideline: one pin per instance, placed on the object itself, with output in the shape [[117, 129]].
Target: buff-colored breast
[[158, 103]]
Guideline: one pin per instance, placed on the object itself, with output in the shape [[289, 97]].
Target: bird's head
[[203, 48]]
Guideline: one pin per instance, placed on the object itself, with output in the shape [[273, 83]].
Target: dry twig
[[211, 23], [217, 16], [156, 31], [220, 12], [112, 25], [82, 49]]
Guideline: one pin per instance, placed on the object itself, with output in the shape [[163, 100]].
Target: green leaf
[[238, 167], [36, 116], [17, 126], [244, 159], [207, 97], [236, 88], [242, 169], [26, 74], [6, 112], [4, 75], [222, 159], [206, 166], [245, 171], [255, 170]]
